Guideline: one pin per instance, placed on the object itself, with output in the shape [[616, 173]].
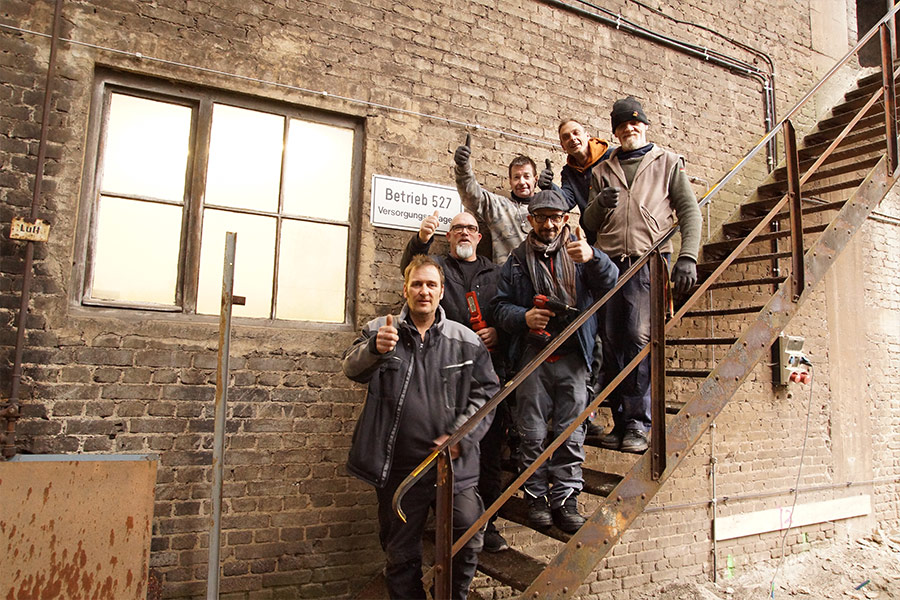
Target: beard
[[633, 143], [465, 250]]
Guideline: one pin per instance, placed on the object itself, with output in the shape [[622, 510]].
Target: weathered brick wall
[[295, 524]]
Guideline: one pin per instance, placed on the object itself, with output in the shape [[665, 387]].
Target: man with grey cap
[[636, 196], [557, 263]]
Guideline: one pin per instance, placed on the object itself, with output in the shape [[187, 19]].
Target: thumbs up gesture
[[464, 152], [545, 179], [428, 227], [579, 250], [387, 337]]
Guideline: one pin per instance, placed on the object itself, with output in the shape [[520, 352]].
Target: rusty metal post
[[792, 161], [212, 580], [11, 411], [443, 535], [890, 96], [657, 365]]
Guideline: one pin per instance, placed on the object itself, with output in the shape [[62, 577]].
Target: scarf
[[559, 282]]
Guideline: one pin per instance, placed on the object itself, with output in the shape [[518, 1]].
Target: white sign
[[403, 204]]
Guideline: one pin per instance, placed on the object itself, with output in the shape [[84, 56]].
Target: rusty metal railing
[[656, 346]]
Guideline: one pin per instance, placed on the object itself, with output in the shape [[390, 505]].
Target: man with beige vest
[[636, 196]]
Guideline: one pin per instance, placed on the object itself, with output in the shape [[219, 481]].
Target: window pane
[[245, 151], [146, 150], [136, 251], [317, 174], [253, 264], [313, 267]]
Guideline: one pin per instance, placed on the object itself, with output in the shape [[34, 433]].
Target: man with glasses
[[464, 272], [560, 265]]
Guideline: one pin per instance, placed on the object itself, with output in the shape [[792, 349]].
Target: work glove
[[684, 275], [608, 197], [545, 179], [464, 152]]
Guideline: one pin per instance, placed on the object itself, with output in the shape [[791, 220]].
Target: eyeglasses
[[461, 228], [555, 219]]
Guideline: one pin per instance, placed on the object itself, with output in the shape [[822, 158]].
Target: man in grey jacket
[[426, 376], [506, 217], [635, 197]]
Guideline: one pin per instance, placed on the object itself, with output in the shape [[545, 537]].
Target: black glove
[[545, 179], [464, 152], [684, 274], [608, 197]]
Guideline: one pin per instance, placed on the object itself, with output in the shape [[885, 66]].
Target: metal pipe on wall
[[11, 411]]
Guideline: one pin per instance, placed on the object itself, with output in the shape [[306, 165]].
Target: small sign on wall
[[402, 203], [20, 229]]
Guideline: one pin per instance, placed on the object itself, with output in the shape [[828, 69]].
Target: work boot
[[539, 515], [567, 517], [611, 440], [593, 430], [634, 441], [493, 541]]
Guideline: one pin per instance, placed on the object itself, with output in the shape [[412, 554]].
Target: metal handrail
[[489, 406]]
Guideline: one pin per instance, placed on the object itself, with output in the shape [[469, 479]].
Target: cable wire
[[796, 485]]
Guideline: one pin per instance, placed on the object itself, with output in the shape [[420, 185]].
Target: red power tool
[[475, 318], [541, 337]]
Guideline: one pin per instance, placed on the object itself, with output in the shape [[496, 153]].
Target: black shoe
[[493, 541], [539, 515], [567, 517], [611, 440], [634, 441], [593, 430]]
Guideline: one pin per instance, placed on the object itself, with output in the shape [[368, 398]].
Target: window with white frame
[[177, 168]]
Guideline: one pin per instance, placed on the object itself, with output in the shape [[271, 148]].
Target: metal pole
[[890, 97], [212, 580], [657, 365], [792, 162], [443, 521], [11, 411]]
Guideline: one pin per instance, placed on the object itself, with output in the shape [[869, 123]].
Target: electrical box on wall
[[789, 358]]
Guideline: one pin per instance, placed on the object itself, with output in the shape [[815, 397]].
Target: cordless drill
[[475, 319], [541, 337]]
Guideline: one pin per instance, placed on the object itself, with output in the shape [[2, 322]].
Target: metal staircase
[[826, 188]]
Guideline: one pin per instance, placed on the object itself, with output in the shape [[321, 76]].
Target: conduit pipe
[[735, 65], [11, 411]]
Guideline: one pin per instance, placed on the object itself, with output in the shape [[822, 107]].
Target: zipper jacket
[[458, 369]]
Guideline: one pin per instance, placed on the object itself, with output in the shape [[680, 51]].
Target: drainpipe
[[11, 411]]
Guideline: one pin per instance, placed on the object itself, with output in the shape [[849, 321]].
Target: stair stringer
[[603, 529]]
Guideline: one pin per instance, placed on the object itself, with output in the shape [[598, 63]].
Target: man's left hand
[[684, 275], [454, 449], [579, 250], [488, 335]]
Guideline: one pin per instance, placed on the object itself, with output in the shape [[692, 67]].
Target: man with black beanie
[[636, 196]]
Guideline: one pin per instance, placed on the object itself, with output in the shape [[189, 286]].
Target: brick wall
[[102, 380]]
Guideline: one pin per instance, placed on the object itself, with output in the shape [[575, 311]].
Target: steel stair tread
[[719, 249], [722, 312], [516, 510], [709, 267], [701, 341], [511, 567], [746, 225]]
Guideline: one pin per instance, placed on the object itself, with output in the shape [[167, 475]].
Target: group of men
[[435, 364]]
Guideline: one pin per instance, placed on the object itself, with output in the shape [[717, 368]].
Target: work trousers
[[553, 395], [402, 542], [625, 329], [490, 476]]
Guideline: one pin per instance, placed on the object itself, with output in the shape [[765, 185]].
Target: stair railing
[[445, 549]]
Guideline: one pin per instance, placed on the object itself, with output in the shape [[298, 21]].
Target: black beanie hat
[[627, 109]]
